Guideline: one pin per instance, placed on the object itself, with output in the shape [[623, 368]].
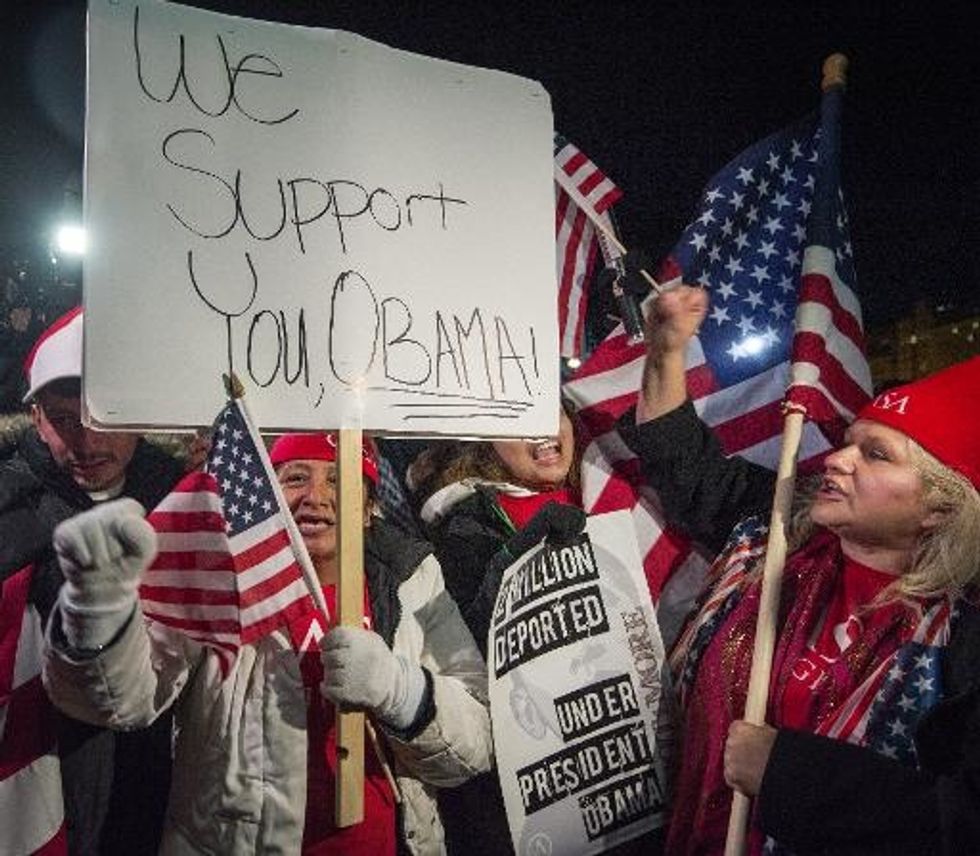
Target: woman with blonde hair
[[874, 701]]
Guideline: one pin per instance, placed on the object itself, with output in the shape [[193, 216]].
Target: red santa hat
[[56, 354], [318, 447], [939, 412]]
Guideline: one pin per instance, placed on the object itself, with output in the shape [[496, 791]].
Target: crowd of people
[[873, 736]]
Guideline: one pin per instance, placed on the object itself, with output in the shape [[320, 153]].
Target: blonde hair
[[946, 559]]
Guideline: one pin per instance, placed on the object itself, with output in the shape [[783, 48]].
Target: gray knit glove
[[362, 673], [103, 553]]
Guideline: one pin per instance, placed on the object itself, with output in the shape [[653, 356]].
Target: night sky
[[659, 94]]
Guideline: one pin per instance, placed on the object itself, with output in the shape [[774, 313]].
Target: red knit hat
[[939, 412], [318, 447], [56, 354]]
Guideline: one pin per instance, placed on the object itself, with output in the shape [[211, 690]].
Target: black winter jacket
[[115, 785]]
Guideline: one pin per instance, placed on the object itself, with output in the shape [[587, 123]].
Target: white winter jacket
[[239, 781]]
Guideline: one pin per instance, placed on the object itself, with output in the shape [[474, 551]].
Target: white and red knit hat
[[939, 412], [56, 354], [319, 447]]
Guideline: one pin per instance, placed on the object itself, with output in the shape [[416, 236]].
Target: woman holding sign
[[487, 504], [255, 750], [875, 693]]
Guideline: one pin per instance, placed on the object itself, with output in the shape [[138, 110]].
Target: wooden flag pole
[[765, 628], [834, 74], [350, 612]]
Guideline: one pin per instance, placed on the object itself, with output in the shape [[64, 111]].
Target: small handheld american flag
[[576, 238], [226, 574]]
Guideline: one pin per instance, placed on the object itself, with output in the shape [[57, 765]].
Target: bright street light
[[71, 240]]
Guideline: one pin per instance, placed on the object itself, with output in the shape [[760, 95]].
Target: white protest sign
[[365, 234], [575, 661]]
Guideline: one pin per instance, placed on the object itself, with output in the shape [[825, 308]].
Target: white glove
[[361, 672], [102, 553]]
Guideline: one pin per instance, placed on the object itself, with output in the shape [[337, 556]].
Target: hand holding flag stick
[[350, 725]]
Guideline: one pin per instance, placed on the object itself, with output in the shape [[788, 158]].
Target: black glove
[[555, 523]]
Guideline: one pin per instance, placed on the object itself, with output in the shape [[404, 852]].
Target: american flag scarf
[[892, 678]]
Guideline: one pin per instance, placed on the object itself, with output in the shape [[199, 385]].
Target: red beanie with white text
[[940, 413], [318, 447]]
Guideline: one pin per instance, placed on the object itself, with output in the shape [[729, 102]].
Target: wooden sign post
[[350, 613]]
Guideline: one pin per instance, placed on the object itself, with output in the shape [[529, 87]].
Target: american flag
[[226, 574], [31, 806], [770, 244], [575, 239], [885, 710]]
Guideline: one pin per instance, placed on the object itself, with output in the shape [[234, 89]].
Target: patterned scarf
[[877, 693]]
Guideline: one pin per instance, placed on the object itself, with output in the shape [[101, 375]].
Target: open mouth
[[313, 525], [828, 487], [546, 451]]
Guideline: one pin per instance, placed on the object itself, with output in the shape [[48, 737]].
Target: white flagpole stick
[[237, 392], [565, 180]]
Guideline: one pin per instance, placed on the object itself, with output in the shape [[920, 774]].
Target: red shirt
[[842, 625], [376, 834]]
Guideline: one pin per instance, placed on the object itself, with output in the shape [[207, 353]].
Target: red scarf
[[376, 834], [521, 508]]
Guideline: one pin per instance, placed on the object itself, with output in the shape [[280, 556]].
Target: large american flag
[[226, 574], [575, 239], [770, 243], [32, 816]]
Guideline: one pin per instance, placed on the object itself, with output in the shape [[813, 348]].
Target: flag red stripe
[[809, 347], [186, 521], [590, 183], [192, 560], [29, 731], [663, 558], [13, 601], [562, 202], [258, 629], [817, 288], [700, 381], [574, 163], [612, 354], [567, 279], [608, 199], [270, 586], [746, 429], [602, 418], [264, 549], [583, 296], [617, 493], [191, 625], [186, 594]]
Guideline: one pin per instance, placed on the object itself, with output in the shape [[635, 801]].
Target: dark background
[[660, 95]]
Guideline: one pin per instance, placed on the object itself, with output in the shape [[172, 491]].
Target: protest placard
[[575, 660], [365, 235]]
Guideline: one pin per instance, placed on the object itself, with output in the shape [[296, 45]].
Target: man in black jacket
[[115, 785]]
